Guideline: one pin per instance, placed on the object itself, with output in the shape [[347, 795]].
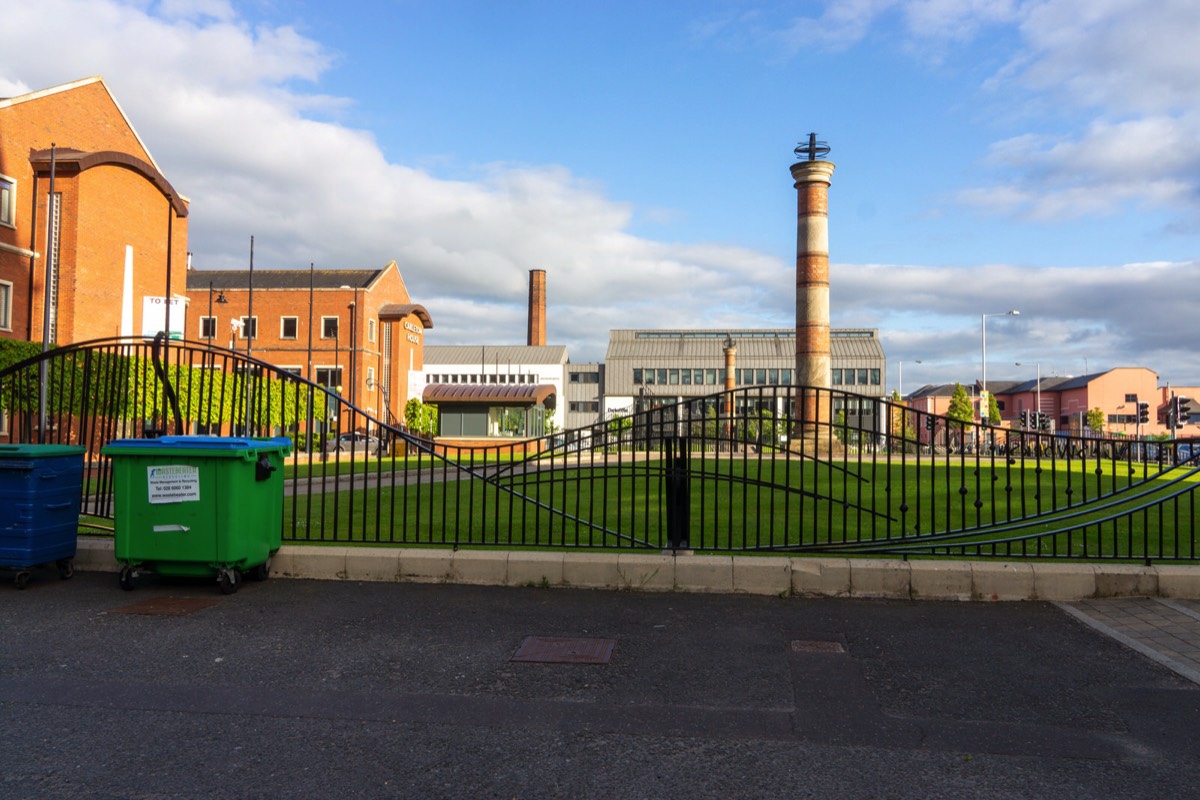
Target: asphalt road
[[338, 689]]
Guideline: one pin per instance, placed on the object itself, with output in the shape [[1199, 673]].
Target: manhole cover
[[552, 650], [816, 646], [167, 606]]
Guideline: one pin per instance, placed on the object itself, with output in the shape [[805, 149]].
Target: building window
[[584, 406], [8, 202], [835, 375], [249, 328], [862, 377], [1131, 398], [6, 294], [594, 377], [329, 377], [208, 327], [673, 377], [288, 327], [329, 327], [370, 330], [874, 377], [710, 377], [370, 379]]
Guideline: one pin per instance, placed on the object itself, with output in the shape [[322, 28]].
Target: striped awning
[[491, 394]]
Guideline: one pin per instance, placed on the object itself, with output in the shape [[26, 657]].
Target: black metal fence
[[766, 469]]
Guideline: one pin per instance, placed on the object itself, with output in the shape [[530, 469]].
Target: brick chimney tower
[[812, 177], [537, 307]]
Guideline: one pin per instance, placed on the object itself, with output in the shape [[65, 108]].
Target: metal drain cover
[[167, 606], [553, 650], [817, 646]]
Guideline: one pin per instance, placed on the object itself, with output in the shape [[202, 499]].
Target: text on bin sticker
[[174, 483]]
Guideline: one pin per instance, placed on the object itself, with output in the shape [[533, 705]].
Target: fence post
[[678, 491]]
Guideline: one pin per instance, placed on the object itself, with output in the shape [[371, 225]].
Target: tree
[[420, 418], [617, 427], [961, 410], [899, 427], [840, 429], [1095, 420], [993, 411]]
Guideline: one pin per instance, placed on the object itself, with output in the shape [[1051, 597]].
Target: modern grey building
[[585, 394], [648, 368]]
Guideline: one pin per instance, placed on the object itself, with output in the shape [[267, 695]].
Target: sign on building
[[154, 316]]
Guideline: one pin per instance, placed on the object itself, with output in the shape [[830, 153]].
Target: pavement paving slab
[[305, 688]]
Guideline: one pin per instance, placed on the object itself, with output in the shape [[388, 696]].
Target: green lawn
[[763, 504]]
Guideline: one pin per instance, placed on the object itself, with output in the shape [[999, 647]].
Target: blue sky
[[1042, 155]]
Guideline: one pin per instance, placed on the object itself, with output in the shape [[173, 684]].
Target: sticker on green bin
[[173, 483]]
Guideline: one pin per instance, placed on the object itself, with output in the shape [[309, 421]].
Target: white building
[[485, 391]]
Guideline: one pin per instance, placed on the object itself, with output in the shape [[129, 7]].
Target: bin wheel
[[22, 579], [261, 572], [230, 580], [66, 568], [126, 578]]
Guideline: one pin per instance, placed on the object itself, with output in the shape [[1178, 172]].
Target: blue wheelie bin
[[40, 488]]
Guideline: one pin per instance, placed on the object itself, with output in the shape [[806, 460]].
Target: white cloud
[[1071, 318], [1153, 160], [216, 101], [1117, 56], [223, 107]]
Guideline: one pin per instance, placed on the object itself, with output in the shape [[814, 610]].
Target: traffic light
[[1024, 419], [1043, 421], [1183, 411], [929, 421], [1143, 413]]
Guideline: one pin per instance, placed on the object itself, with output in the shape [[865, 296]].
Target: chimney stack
[[537, 308], [813, 356]]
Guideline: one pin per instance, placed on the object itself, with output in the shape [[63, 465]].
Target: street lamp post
[[900, 380], [212, 323], [983, 327], [354, 348]]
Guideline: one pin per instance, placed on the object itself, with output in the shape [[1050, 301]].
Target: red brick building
[[1066, 401], [357, 329], [119, 227]]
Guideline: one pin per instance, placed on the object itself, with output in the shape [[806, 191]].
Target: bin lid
[[40, 450], [221, 446]]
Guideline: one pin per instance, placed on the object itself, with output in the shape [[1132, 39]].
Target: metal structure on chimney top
[[813, 151]]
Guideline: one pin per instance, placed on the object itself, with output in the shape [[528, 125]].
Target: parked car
[[358, 443]]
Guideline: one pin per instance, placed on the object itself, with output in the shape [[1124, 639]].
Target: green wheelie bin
[[197, 506]]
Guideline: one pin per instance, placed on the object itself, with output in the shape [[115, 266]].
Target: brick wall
[[104, 209]]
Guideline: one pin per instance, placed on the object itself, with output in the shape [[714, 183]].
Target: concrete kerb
[[535, 568], [821, 577], [762, 575], [704, 573], [813, 577], [940, 580], [1064, 581], [878, 577], [1001, 580]]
